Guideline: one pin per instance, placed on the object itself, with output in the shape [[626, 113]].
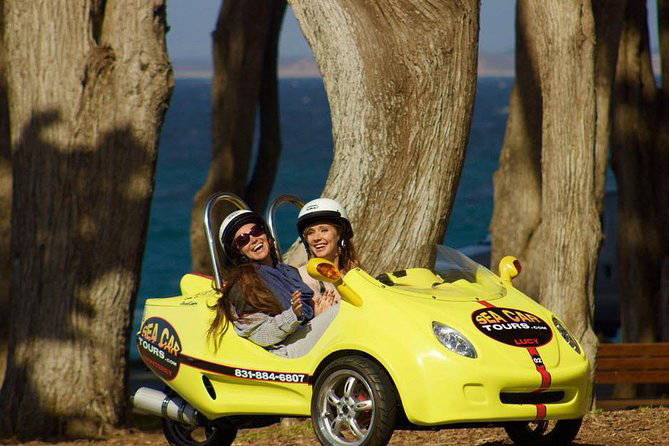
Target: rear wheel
[[216, 433], [549, 433], [354, 404]]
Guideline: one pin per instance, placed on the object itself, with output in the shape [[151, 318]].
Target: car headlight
[[453, 340], [566, 335]]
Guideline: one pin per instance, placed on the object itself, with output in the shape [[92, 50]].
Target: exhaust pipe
[[155, 402]]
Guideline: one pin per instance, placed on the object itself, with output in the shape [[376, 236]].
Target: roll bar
[[211, 239], [271, 209]]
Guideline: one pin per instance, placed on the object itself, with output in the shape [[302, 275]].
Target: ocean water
[[183, 163]]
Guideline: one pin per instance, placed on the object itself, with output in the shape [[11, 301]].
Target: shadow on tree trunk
[[80, 215], [5, 201]]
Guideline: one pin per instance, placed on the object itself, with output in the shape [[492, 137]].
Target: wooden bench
[[630, 363]]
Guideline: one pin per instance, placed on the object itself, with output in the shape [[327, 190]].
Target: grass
[[288, 429]]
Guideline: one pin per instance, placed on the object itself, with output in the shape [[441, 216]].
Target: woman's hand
[[296, 303], [324, 301]]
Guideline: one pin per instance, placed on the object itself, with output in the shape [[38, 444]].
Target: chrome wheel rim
[[346, 408]]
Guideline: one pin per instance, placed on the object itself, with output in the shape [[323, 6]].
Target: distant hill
[[496, 65], [298, 67], [203, 69], [192, 68], [490, 65]]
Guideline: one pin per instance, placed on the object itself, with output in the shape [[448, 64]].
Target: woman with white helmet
[[266, 300], [326, 232]]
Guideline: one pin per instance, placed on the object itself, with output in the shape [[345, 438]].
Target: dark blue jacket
[[282, 280]]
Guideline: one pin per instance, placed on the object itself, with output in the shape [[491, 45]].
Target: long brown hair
[[348, 259], [253, 290]]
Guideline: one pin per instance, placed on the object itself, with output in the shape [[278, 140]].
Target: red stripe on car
[[541, 368]]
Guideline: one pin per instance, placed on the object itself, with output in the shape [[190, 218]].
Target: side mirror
[[509, 267], [326, 271]]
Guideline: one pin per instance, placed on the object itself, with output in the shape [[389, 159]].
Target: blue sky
[[192, 21]]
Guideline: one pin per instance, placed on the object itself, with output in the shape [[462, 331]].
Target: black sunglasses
[[243, 239]]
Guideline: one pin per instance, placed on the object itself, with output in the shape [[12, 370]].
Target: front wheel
[[217, 433], [548, 433], [354, 404]]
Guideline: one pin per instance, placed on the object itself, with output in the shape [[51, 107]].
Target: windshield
[[455, 277], [452, 265], [462, 276]]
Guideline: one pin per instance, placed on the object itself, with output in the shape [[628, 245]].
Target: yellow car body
[[518, 374]]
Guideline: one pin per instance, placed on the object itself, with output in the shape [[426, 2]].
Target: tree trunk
[[608, 28], [663, 304], [89, 85], [661, 176], [550, 184], [641, 164], [400, 79], [517, 209], [572, 232], [5, 201], [245, 46]]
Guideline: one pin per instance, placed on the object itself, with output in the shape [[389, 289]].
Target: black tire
[[217, 433], [548, 433], [354, 404]]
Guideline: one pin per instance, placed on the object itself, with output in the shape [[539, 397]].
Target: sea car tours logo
[[159, 347], [512, 327]]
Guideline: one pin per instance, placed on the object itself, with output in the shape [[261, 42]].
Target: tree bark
[[550, 184], [661, 177], [400, 79], [89, 85], [566, 39], [641, 164], [608, 28], [5, 201], [245, 47], [516, 217], [663, 304]]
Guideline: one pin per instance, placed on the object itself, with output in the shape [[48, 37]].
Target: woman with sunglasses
[[326, 232], [266, 300]]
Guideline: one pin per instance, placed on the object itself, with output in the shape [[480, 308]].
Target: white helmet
[[231, 225], [324, 209]]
